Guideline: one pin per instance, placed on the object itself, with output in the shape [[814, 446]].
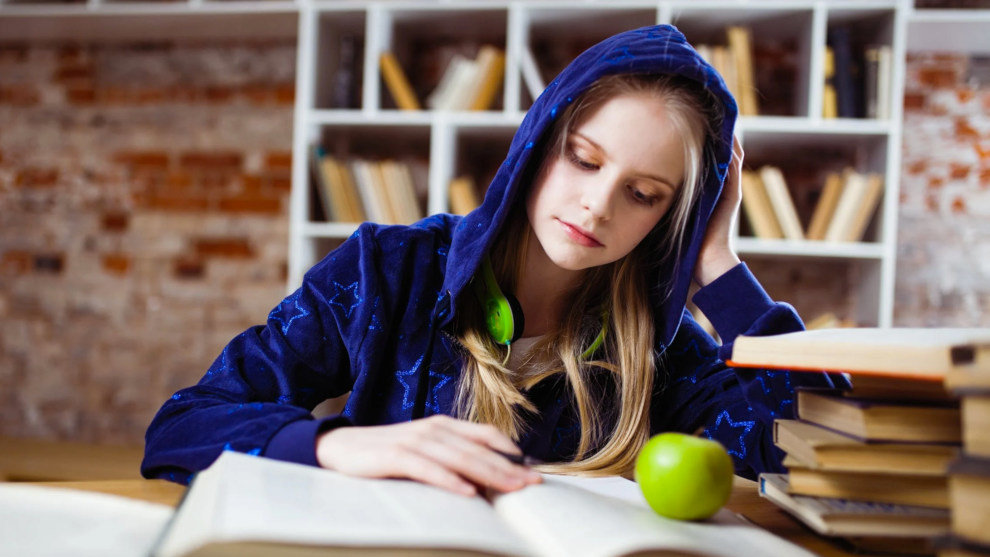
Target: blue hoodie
[[374, 318]]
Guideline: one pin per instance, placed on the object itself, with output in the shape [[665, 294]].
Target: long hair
[[611, 394]]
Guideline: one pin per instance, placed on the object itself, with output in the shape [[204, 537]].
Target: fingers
[[441, 451]]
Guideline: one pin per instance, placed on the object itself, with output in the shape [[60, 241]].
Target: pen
[[521, 459]]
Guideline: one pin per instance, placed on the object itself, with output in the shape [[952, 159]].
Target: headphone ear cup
[[518, 319]]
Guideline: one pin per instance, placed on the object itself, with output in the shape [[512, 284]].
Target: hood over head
[[659, 49]]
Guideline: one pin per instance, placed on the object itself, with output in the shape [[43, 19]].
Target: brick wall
[[943, 259], [143, 223]]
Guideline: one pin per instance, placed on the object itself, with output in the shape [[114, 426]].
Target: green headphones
[[503, 314]]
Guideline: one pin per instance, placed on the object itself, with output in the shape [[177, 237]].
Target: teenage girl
[[550, 321]]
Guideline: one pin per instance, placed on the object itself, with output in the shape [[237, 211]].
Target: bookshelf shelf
[[810, 249]]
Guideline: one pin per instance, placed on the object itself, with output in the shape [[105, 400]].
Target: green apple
[[684, 477]]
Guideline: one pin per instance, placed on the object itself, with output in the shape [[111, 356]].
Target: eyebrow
[[653, 177]]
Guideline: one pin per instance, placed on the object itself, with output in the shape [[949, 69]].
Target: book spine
[[397, 82]]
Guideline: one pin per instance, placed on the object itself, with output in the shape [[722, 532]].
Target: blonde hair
[[613, 428]]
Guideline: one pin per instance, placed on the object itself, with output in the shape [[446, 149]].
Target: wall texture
[[143, 221], [943, 259]]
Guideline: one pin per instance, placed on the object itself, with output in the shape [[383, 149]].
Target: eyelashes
[[637, 194]]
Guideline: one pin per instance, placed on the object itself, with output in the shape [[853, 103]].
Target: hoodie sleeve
[[736, 407], [258, 395]]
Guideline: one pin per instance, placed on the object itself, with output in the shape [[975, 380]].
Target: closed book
[[899, 388], [854, 191], [816, 447], [825, 207], [881, 420], [397, 83], [894, 489], [969, 492], [918, 352], [975, 408], [830, 516], [491, 69], [322, 183], [757, 207], [251, 505], [463, 195], [865, 208], [741, 48], [782, 202], [830, 101]]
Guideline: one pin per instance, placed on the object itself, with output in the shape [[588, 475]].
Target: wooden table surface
[[744, 501]]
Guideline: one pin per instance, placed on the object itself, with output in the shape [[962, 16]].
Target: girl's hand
[[442, 451], [717, 256]]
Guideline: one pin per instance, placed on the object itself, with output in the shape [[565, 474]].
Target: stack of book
[[466, 84], [969, 476], [872, 464], [734, 61]]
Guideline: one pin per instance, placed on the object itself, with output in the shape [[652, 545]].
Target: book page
[[598, 517], [264, 500], [37, 520]]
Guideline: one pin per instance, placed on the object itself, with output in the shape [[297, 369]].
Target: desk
[[744, 500]]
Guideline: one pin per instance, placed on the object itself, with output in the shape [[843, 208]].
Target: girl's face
[[617, 176]]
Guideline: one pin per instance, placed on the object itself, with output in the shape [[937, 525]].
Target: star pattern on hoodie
[[725, 420], [345, 297], [287, 312], [403, 376]]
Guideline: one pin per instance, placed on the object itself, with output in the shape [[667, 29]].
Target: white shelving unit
[[448, 137]]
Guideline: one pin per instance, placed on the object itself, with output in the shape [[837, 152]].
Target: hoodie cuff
[[733, 302], [296, 442]]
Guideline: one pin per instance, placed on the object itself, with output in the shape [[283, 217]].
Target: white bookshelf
[[450, 137]]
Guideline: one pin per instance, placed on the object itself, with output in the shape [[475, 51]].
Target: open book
[[253, 505]]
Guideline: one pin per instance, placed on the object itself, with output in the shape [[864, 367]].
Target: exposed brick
[[985, 178], [180, 203], [80, 94], [281, 183], [74, 72], [49, 263], [937, 78], [33, 177], [931, 202], [178, 180], [958, 205], [251, 204], [16, 262], [959, 171], [223, 247], [914, 101], [143, 159], [218, 94], [984, 153], [189, 268], [963, 130], [19, 95], [258, 94], [220, 160], [278, 160], [285, 94], [117, 264], [965, 94], [935, 182], [251, 183], [917, 167], [1, 157], [115, 221]]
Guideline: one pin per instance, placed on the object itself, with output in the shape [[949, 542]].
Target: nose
[[598, 196]]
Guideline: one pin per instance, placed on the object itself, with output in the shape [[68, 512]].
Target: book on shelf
[[321, 182], [816, 447], [898, 388], [859, 200], [878, 487], [881, 420], [345, 88], [878, 59], [847, 79], [338, 195], [830, 101], [470, 84], [831, 516], [825, 207], [741, 49], [917, 352], [782, 202], [463, 195], [243, 503], [969, 493], [757, 207], [397, 82]]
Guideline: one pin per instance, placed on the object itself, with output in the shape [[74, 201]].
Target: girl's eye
[[580, 162], [642, 197]]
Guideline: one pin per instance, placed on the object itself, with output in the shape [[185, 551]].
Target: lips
[[581, 236]]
